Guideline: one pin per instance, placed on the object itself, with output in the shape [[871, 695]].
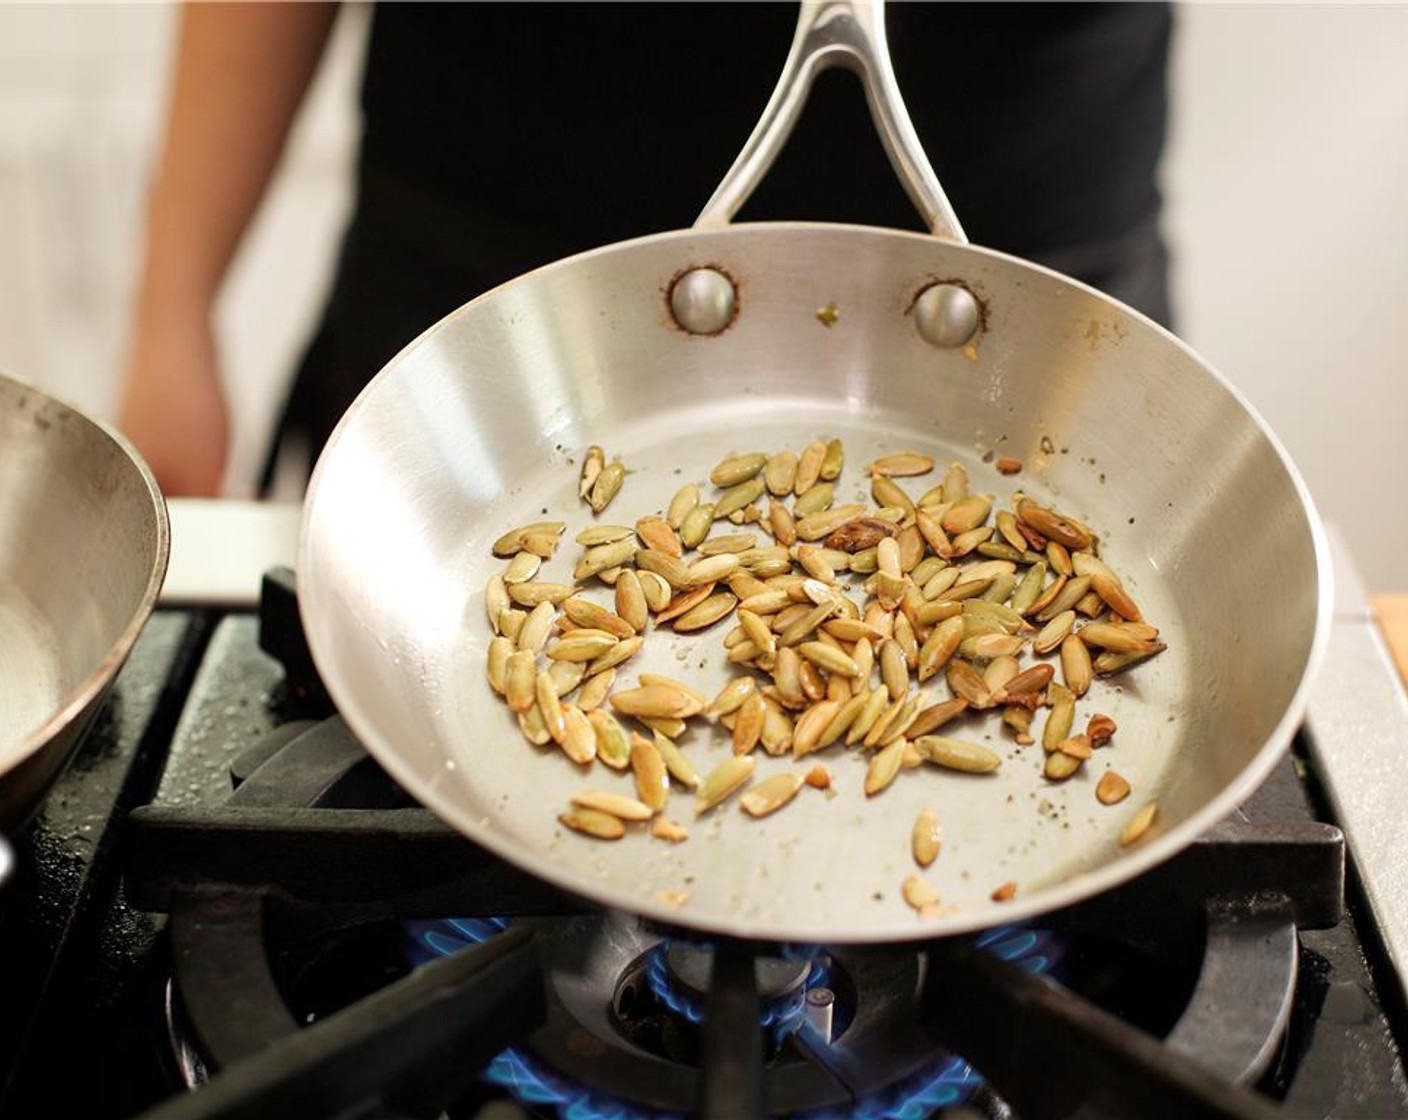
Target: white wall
[[1287, 180]]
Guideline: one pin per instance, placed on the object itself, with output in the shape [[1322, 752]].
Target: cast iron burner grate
[[287, 860]]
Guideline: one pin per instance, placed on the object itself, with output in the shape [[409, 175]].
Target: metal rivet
[[947, 315], [703, 300]]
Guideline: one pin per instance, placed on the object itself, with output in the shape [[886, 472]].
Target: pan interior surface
[[480, 426], [83, 545]]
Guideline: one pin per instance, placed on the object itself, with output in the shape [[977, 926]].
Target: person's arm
[[241, 71]]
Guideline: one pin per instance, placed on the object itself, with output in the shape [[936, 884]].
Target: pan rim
[[83, 695], [1128, 865]]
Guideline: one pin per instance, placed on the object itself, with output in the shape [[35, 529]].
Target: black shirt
[[501, 137]]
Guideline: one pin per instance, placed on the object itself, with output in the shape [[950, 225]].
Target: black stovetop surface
[[84, 971]]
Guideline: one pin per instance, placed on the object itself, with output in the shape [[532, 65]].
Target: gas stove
[[226, 908]]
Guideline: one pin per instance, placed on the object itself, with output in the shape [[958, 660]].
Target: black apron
[[498, 138]]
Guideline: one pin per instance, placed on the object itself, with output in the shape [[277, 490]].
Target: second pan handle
[[849, 33]]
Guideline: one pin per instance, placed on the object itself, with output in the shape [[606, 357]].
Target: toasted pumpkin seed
[[732, 696], [496, 599], [1076, 667], [549, 706], [612, 745], [630, 601], [671, 569], [1100, 729], [622, 651], [737, 468], [511, 621], [809, 467], [1110, 662], [833, 460], [711, 569], [939, 647], [511, 543], [531, 724], [655, 532], [726, 778], [1029, 589], [902, 464], [731, 542], [737, 497], [828, 658], [1061, 766], [593, 822], [1053, 526], [776, 736], [886, 492], [662, 828], [578, 735], [648, 767], [818, 526], [707, 612], [520, 682], [1116, 638], [1111, 789], [697, 523], [966, 514], [656, 701], [1139, 824], [592, 463], [771, 794], [607, 485], [584, 645], [1066, 599], [656, 589], [617, 804], [986, 646], [500, 648], [953, 754], [594, 535], [935, 716], [1077, 746], [815, 500], [782, 523], [533, 592], [1005, 893], [884, 766], [1054, 632], [586, 613], [684, 500], [566, 675], [925, 838]]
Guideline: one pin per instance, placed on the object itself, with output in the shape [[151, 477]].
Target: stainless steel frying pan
[[83, 549], [936, 345]]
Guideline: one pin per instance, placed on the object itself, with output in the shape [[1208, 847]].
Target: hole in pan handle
[[849, 33]]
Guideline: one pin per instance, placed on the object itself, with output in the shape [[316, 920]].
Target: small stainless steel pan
[[935, 345], [83, 550]]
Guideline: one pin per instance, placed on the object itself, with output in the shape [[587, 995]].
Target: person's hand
[[173, 405]]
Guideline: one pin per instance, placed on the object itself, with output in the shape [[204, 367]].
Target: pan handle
[[848, 33]]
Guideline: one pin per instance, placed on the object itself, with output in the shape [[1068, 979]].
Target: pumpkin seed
[[697, 523], [657, 701], [533, 592], [583, 645], [1029, 589], [884, 765], [809, 467], [612, 745], [1053, 526], [902, 464], [705, 613], [1077, 746], [656, 590], [711, 569], [648, 766], [780, 473], [511, 623], [782, 523], [592, 463], [748, 726], [1059, 722], [818, 526], [1111, 789], [1116, 638], [737, 497], [686, 499], [952, 754], [520, 682], [499, 650], [549, 706], [1139, 824], [1054, 632], [511, 543], [578, 735], [726, 778], [662, 828], [1075, 664], [630, 602], [1110, 662], [887, 492], [833, 460], [671, 569], [737, 468], [622, 651], [1061, 766], [655, 532], [1099, 730], [776, 736], [732, 542], [588, 614], [593, 822], [531, 724], [771, 794], [966, 514], [732, 696], [807, 734], [935, 716], [815, 500], [566, 675], [1066, 599], [607, 485], [594, 535], [925, 837], [832, 660]]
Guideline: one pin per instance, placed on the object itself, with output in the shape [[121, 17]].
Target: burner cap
[[689, 967]]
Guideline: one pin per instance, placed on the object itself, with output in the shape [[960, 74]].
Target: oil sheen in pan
[[32, 684]]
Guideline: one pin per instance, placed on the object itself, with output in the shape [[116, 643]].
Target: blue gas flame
[[951, 1082]]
